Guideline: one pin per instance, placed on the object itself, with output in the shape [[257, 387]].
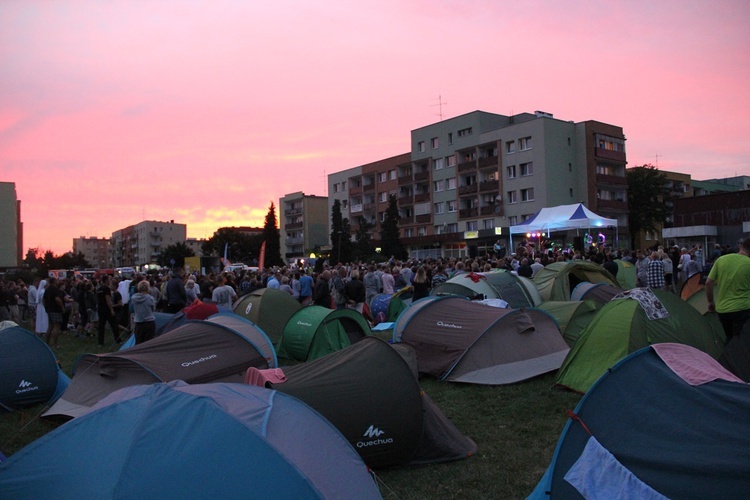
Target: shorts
[[55, 317]]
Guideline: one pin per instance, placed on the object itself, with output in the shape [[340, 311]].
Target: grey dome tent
[[516, 290], [370, 394], [29, 371], [558, 280], [268, 308], [459, 340], [220, 349]]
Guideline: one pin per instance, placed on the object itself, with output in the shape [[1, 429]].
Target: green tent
[[557, 280], [622, 327], [572, 317], [268, 308], [314, 331], [626, 276]]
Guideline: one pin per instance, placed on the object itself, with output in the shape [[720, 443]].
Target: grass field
[[515, 427]]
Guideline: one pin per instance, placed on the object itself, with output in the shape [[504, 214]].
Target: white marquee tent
[[562, 218]]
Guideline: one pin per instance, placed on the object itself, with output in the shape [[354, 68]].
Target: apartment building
[[303, 222], [95, 250], [467, 179], [141, 244], [11, 227]]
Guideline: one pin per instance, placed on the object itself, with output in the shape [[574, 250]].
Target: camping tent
[[315, 331], [736, 355], [517, 291], [623, 326], [558, 280], [190, 441], [572, 316], [220, 349], [459, 340], [626, 275], [268, 308], [370, 394], [391, 304], [563, 218], [600, 292], [664, 420], [29, 372]]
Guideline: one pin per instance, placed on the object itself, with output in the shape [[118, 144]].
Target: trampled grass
[[515, 427]]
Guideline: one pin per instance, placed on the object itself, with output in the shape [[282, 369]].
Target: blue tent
[[190, 441], [666, 421], [29, 372]]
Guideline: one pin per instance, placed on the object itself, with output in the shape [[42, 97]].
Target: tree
[[240, 247], [341, 239], [32, 260], [647, 199], [390, 242], [178, 252], [364, 240], [272, 237]]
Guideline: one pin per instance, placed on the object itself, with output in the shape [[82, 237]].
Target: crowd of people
[[85, 307]]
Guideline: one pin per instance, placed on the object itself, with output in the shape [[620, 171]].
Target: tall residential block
[[142, 243], [95, 250], [11, 227], [303, 225]]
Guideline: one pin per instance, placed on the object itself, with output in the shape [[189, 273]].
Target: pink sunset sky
[[205, 112]]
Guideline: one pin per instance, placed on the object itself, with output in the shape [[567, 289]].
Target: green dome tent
[[622, 326], [626, 274], [315, 331], [515, 290], [572, 317], [268, 308], [558, 280]]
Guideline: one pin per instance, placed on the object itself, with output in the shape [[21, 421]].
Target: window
[[438, 163], [571, 192], [421, 231], [451, 206], [511, 171], [570, 167], [513, 220], [568, 141], [344, 203], [524, 144], [527, 194], [381, 216], [451, 183], [527, 169], [439, 208], [422, 209], [510, 147], [408, 233], [512, 197], [452, 228], [471, 225], [382, 197], [450, 161], [421, 147], [435, 143], [464, 132], [610, 143], [488, 224], [438, 186], [343, 185], [382, 176], [336, 187], [450, 137]]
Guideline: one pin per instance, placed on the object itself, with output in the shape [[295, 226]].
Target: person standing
[[306, 286], [223, 295], [42, 321], [372, 284], [728, 289], [655, 272], [421, 284], [144, 306], [106, 312], [175, 292], [33, 301], [354, 291], [53, 303], [388, 282]]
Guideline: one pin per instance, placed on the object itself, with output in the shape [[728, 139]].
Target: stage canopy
[[562, 218]]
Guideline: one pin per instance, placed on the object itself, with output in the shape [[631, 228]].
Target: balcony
[[405, 180], [422, 176], [612, 205], [465, 213], [355, 190], [369, 206], [292, 211], [467, 165], [488, 186], [405, 221], [421, 197], [609, 155], [406, 199], [611, 179], [295, 225], [355, 208], [156, 244], [368, 187], [492, 210], [489, 161], [294, 241], [424, 218], [470, 189]]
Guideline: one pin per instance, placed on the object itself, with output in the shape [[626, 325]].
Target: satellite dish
[[498, 208], [498, 198]]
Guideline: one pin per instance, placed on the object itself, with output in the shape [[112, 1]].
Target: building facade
[[142, 243], [468, 179], [303, 223], [95, 251], [11, 228]]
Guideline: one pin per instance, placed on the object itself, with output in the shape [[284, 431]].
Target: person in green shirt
[[728, 289]]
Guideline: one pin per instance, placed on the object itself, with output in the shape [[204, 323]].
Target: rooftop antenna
[[440, 106], [657, 160], [325, 183]]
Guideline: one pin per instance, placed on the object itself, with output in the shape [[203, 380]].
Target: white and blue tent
[[563, 218]]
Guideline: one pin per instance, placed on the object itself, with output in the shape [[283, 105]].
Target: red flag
[[262, 256]]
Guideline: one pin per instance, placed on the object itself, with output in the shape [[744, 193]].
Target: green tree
[[647, 199], [272, 237], [178, 252], [341, 239], [390, 241], [363, 238], [240, 246], [33, 261]]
